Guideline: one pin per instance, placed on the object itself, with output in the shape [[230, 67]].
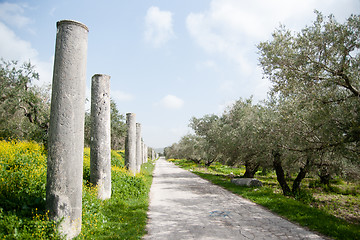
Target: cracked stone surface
[[184, 206]]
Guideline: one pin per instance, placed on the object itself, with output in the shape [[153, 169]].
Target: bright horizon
[[168, 60]]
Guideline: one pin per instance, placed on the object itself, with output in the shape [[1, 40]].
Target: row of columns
[[66, 131], [136, 151]]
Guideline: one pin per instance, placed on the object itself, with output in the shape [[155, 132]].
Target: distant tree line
[[25, 107], [310, 123]]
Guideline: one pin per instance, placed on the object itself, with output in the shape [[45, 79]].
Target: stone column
[[138, 148], [147, 153], [100, 145], [143, 150], [130, 143], [66, 132]]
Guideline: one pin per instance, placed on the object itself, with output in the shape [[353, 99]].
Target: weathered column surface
[[146, 153], [139, 153], [100, 145], [130, 143], [66, 132], [143, 150]]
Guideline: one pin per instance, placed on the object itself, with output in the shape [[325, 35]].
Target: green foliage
[[316, 90], [118, 127], [23, 176], [86, 166], [15, 226], [24, 108], [22, 197], [321, 60], [118, 158], [22, 192], [191, 147], [128, 186], [304, 196], [227, 170], [316, 87]]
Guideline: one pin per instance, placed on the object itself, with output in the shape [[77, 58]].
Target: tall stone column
[[130, 143], [146, 154], [100, 145], [138, 148], [143, 150], [66, 132]]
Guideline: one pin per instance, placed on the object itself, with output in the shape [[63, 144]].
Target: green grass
[[124, 215], [22, 197], [296, 211]]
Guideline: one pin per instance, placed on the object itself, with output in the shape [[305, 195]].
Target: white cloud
[[45, 70], [171, 102], [261, 86], [208, 64], [208, 33], [233, 28], [11, 13], [179, 131], [225, 106], [52, 11], [121, 96], [159, 27], [14, 48], [227, 86]]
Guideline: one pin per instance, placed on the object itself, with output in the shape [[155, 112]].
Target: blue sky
[[168, 60]]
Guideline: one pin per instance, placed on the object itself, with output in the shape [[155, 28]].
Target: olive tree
[[172, 151], [315, 76], [118, 127], [209, 130], [24, 107], [244, 136]]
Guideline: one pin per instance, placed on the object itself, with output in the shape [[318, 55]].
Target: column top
[[72, 22], [101, 75]]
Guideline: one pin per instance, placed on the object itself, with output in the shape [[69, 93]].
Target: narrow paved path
[[184, 206]]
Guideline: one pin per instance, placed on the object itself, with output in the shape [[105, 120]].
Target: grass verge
[[296, 211], [124, 215], [23, 188]]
